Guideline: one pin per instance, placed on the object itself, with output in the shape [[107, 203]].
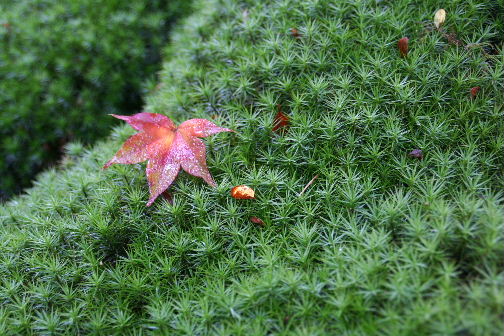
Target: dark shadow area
[[64, 66]]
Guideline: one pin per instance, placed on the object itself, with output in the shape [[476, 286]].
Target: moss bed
[[382, 243]]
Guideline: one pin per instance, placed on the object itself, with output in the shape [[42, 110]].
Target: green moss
[[63, 66], [381, 243]]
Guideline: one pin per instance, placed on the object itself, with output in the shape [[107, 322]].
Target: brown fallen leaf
[[242, 192]]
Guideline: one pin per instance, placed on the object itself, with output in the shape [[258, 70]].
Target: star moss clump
[[382, 242]]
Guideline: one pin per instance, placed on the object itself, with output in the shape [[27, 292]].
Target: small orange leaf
[[257, 220], [242, 192], [402, 44], [439, 17], [474, 91], [281, 121]]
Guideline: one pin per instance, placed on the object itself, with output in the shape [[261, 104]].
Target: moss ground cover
[[381, 243], [66, 64]]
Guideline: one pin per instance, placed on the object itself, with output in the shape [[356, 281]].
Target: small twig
[[308, 185]]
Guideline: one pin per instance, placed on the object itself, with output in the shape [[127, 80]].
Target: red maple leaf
[[167, 148]]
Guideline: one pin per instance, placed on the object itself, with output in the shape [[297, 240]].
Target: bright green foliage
[[381, 243], [65, 64]]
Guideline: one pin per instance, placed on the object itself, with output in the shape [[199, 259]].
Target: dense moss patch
[[381, 243]]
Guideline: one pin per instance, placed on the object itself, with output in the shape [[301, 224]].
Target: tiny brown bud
[[402, 44], [281, 121], [474, 91], [416, 153], [295, 33], [257, 220]]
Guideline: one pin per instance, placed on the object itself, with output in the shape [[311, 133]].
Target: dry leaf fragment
[[402, 44], [452, 39], [416, 153], [281, 121], [167, 148], [439, 18], [474, 91], [242, 192], [257, 220]]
